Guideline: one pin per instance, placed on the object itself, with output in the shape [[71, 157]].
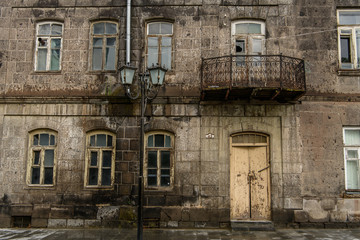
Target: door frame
[[266, 143]]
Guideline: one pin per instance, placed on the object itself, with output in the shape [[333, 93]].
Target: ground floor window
[[352, 159]]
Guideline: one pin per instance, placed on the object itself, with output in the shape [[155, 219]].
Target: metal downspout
[[128, 25]]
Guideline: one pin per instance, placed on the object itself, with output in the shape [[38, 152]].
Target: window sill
[[99, 188], [350, 72], [352, 194], [46, 73], [157, 189], [39, 187]]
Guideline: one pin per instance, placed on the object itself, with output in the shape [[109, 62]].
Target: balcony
[[262, 77]]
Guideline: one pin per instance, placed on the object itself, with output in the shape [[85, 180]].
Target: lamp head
[[157, 75], [127, 74]]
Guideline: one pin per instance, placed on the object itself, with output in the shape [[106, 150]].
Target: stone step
[[252, 225]]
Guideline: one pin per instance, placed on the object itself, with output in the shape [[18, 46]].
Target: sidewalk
[[168, 234]]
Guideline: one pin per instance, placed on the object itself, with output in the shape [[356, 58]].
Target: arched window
[[42, 158], [104, 46], [159, 160], [159, 44], [100, 159], [48, 46]]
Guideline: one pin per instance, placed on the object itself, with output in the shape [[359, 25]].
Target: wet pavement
[[167, 234]]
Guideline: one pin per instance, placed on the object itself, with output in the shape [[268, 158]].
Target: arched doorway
[[249, 177]]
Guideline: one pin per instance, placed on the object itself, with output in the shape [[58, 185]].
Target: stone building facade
[[214, 154]]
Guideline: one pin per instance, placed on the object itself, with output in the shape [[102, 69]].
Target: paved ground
[[149, 234]]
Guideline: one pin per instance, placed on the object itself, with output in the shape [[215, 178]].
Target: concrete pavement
[[168, 234]]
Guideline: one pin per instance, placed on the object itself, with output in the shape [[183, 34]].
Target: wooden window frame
[[41, 148], [346, 159], [100, 151]]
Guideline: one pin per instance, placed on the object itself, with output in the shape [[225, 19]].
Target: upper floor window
[[42, 158], [159, 44], [159, 160], [48, 46], [349, 38], [100, 159], [104, 38], [352, 158]]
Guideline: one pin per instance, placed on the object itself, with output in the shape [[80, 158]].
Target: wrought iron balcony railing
[[268, 77]]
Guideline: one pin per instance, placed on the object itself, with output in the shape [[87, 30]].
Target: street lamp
[[150, 82]]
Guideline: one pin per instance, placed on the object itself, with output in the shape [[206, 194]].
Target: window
[[159, 44], [349, 39], [42, 158], [352, 157], [100, 159], [48, 46], [159, 160], [104, 46]]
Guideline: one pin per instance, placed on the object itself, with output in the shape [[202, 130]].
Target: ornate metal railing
[[260, 71]]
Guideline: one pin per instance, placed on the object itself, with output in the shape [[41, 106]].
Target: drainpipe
[[128, 24]]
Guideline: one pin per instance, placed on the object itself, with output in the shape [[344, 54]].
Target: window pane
[[240, 46], [165, 181], [55, 43], [55, 60], [93, 160], [110, 58], [358, 47], [349, 17], [44, 29], [167, 141], [254, 28], [159, 140], [48, 178], [241, 28], [36, 140], [101, 140], [56, 29], [352, 137], [36, 157], [345, 49], [92, 140], [153, 42], [106, 177], [151, 141], [154, 28], [35, 176], [44, 139], [152, 56], [352, 153], [352, 175], [166, 28], [52, 140], [41, 59], [97, 59], [97, 42], [49, 158], [166, 57], [106, 159], [152, 181], [165, 159], [93, 176], [99, 28], [109, 141], [111, 28], [152, 172], [152, 159], [257, 46]]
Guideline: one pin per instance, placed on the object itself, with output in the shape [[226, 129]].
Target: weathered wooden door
[[250, 180]]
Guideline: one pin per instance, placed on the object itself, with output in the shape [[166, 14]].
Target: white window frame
[[41, 157], [160, 36], [103, 54], [99, 150], [346, 159], [48, 38], [354, 63], [171, 149]]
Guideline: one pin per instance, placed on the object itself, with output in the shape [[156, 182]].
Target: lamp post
[[150, 82]]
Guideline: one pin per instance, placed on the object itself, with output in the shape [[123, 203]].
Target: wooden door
[[249, 183]]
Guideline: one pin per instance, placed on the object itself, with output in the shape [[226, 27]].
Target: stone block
[[338, 216], [335, 225], [152, 212], [85, 212], [92, 223], [293, 203], [186, 224], [173, 200], [108, 213], [328, 204], [41, 211], [57, 223], [199, 215], [173, 224], [5, 222], [61, 212], [315, 211], [301, 216], [21, 210], [312, 225], [75, 223], [39, 222], [170, 214]]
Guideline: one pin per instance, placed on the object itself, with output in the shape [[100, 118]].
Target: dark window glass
[[109, 141], [152, 159], [165, 159], [93, 176], [36, 140], [165, 181], [167, 141], [101, 140], [48, 179], [159, 140], [36, 157], [92, 140], [151, 141], [52, 140], [345, 49], [106, 177], [93, 161], [35, 176], [152, 181], [106, 159], [49, 158], [44, 139]]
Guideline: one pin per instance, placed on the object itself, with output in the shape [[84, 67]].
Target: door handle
[[264, 169]]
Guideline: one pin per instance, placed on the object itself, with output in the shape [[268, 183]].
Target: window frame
[[354, 50], [346, 159], [159, 44], [48, 47], [99, 165], [170, 149], [103, 47], [41, 148]]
